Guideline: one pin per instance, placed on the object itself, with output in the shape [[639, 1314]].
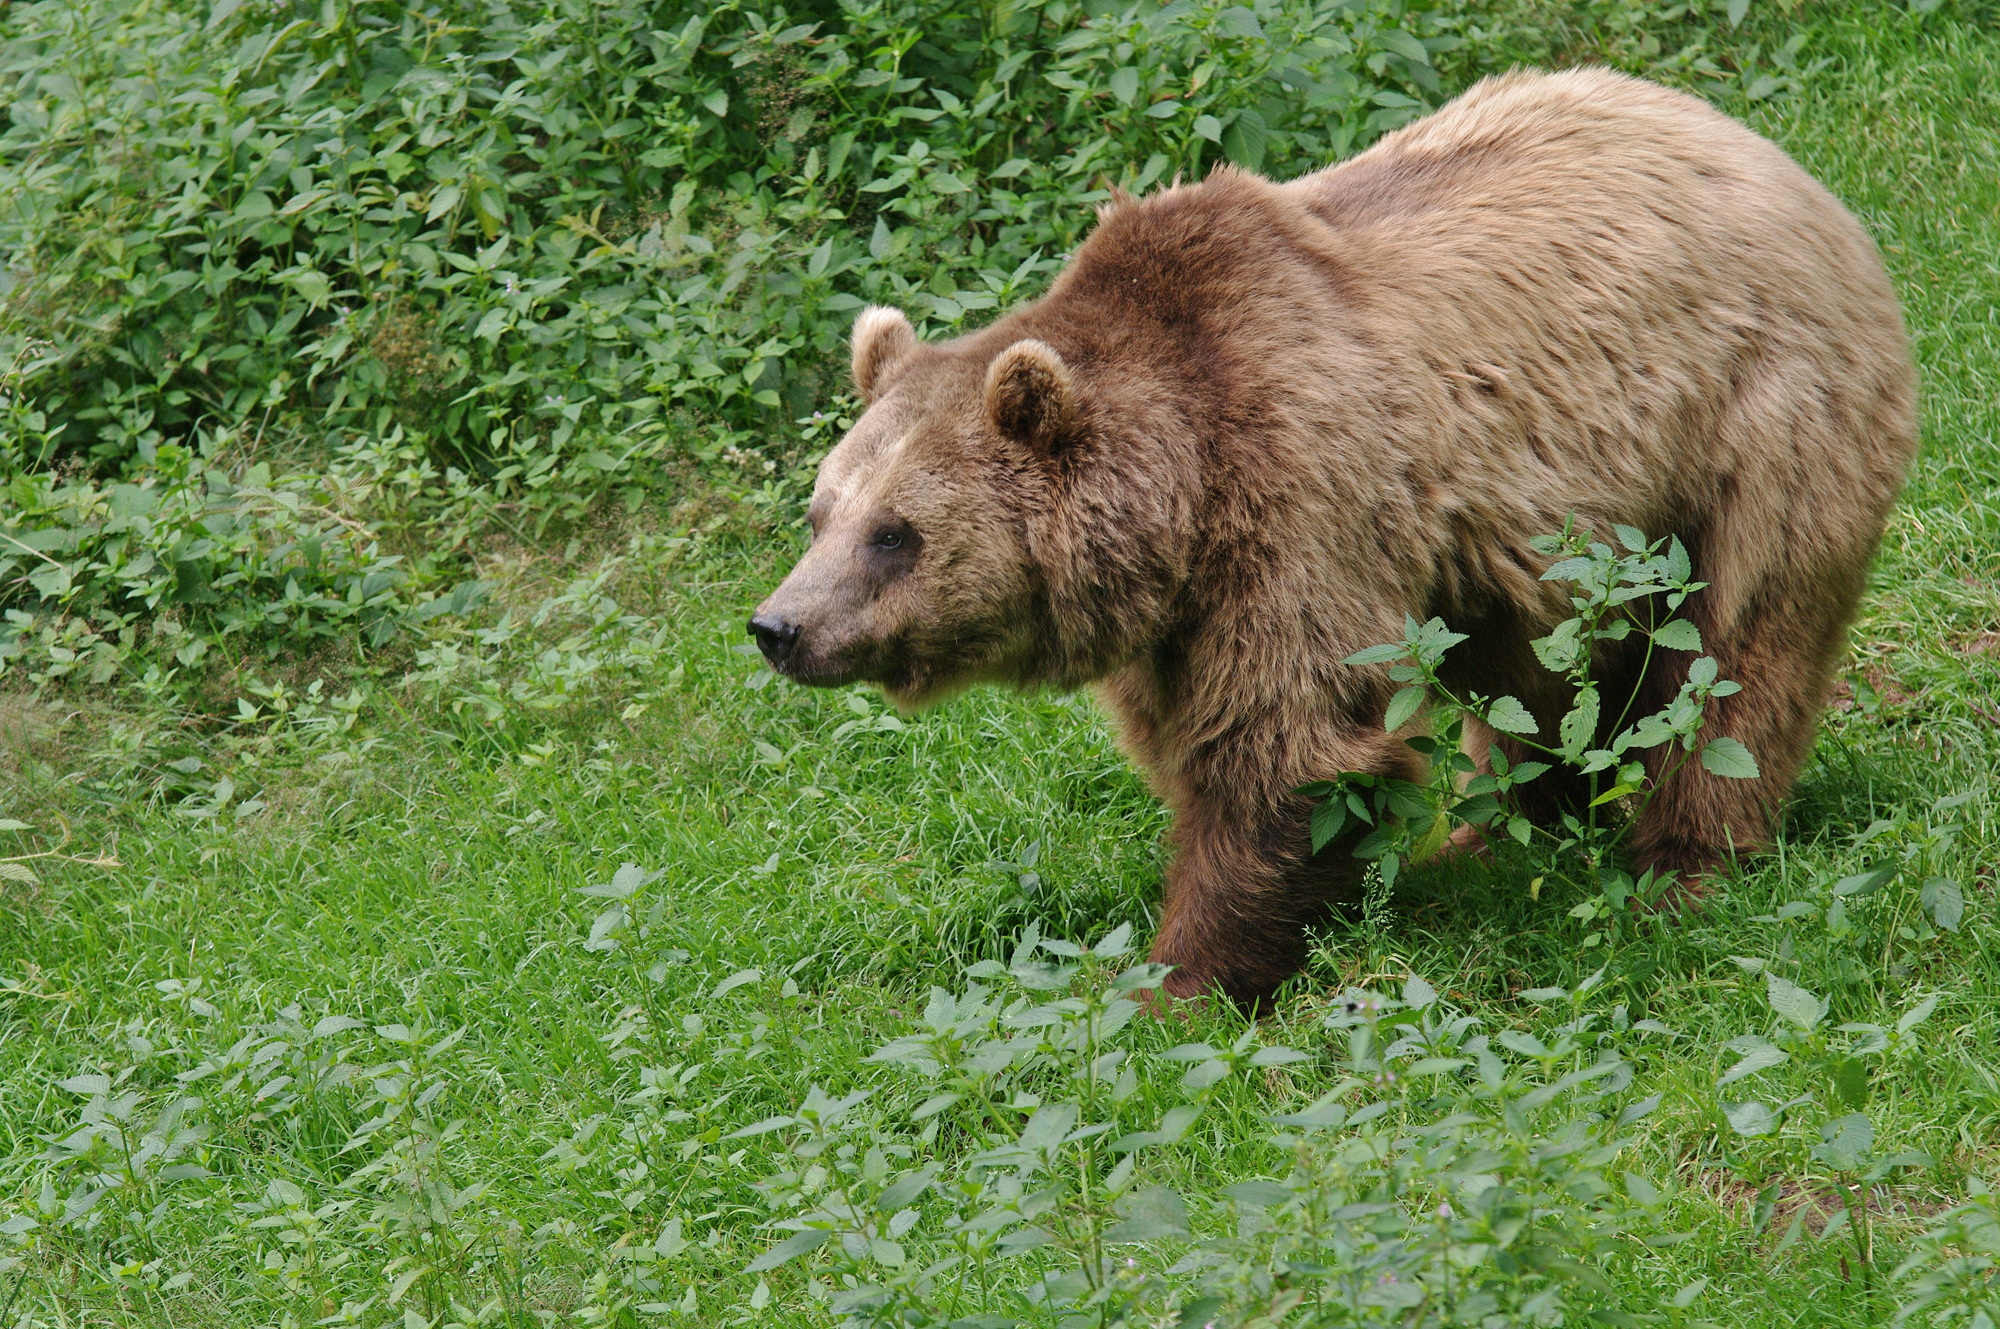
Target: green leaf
[[790, 1249], [1737, 9], [1918, 1014], [1237, 21], [1845, 1143], [1209, 128], [1125, 84], [1378, 654], [1023, 1239], [1256, 1194], [1614, 793], [1245, 140], [1403, 44], [1509, 716], [1173, 1126], [717, 103], [1579, 727], [1527, 1045], [764, 1127], [1946, 903], [1558, 650], [1328, 818], [1865, 883], [1850, 1082], [1751, 1120], [1408, 801], [1728, 758], [1793, 1002], [1679, 568], [1278, 1056], [1757, 1059], [1679, 635], [1402, 706], [933, 1105], [1570, 569], [330, 1025], [905, 1189], [1148, 1214], [736, 980]]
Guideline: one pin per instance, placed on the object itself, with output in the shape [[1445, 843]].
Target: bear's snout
[[827, 624], [800, 642], [775, 637]]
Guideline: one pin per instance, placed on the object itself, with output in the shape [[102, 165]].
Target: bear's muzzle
[[775, 638]]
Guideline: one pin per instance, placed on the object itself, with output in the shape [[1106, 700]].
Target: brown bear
[[1251, 426]]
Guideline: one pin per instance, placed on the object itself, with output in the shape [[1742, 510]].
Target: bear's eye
[[898, 538]]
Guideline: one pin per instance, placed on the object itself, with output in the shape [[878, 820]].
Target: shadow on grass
[[1845, 786]]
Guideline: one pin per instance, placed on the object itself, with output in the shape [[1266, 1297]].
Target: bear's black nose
[[775, 637]]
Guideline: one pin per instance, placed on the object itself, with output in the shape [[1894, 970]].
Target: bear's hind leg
[[1782, 655]]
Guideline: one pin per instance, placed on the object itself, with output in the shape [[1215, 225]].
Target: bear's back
[[1598, 179], [1556, 148], [1615, 268]]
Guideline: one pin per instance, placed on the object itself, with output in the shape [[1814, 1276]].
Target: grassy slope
[[862, 866]]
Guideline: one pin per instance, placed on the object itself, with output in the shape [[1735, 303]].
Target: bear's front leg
[[1244, 885]]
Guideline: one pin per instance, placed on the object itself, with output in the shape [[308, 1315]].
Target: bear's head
[[945, 544]]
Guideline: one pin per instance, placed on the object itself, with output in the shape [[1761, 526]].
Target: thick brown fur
[[1252, 425]]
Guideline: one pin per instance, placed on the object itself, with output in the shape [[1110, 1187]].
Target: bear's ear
[[1030, 396], [882, 337]]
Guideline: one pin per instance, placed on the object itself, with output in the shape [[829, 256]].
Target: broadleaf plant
[[1634, 588]]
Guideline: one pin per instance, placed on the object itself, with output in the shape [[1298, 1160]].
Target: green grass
[[432, 883]]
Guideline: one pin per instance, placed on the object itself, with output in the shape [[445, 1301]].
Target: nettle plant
[[1474, 1189], [536, 234], [1021, 1155], [1842, 1066], [1038, 1153], [1617, 592], [1447, 1177], [1902, 904], [214, 1110], [141, 581]]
